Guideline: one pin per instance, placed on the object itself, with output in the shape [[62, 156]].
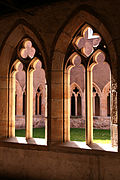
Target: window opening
[[39, 83], [40, 100], [20, 102], [108, 105], [22, 70], [36, 103], [79, 105], [15, 104], [73, 105], [92, 50], [24, 103], [77, 93], [94, 90], [101, 124], [76, 90]]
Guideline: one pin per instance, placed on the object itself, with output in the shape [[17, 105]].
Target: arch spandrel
[[75, 23], [71, 61], [8, 50]]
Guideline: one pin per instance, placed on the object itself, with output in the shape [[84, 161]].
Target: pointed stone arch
[[73, 85], [78, 98], [106, 88], [77, 21], [59, 59], [19, 31], [98, 91]]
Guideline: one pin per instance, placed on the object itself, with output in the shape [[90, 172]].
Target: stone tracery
[[88, 42], [28, 105], [90, 48], [27, 50]]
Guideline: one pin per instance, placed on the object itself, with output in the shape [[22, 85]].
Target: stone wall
[[52, 27], [38, 122], [75, 122], [18, 163], [98, 122]]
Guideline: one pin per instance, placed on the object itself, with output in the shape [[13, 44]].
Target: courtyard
[[76, 134]]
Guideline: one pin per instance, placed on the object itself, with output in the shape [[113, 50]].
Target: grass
[[20, 132], [99, 135], [76, 134], [37, 132]]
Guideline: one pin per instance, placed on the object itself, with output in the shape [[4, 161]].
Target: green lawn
[[37, 132], [76, 134], [99, 135]]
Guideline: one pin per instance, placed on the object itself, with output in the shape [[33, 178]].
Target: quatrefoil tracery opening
[[88, 41]]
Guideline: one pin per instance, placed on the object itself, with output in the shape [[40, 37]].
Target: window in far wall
[[79, 105], [97, 105], [108, 105], [15, 104], [24, 103]]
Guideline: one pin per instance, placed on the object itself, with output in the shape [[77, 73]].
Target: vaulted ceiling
[[9, 6]]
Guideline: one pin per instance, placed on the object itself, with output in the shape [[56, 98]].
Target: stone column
[[29, 104], [103, 105], [75, 104], [67, 105], [4, 107], [114, 113], [46, 100], [12, 105], [83, 104], [46, 112], [55, 100], [34, 101], [94, 104], [89, 112]]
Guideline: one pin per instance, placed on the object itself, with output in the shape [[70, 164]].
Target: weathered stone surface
[[52, 27], [98, 122]]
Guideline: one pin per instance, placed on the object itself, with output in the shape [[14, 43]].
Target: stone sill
[[22, 143], [92, 146], [69, 147]]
